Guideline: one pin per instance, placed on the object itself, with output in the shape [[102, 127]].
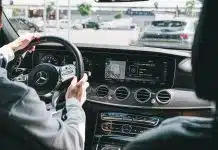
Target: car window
[[122, 23], [168, 24]]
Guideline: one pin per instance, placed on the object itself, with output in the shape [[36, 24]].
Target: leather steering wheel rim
[[69, 46]]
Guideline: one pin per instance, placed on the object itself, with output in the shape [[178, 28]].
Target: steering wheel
[[50, 80]]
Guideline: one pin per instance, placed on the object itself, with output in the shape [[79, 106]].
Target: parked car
[[22, 23], [91, 24], [123, 23], [84, 23], [178, 32], [63, 23]]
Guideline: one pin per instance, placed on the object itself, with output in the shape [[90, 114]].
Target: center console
[[114, 130]]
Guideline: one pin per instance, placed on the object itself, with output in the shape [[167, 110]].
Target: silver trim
[[142, 102], [153, 107], [185, 53], [174, 73], [128, 91], [159, 101], [41, 78], [100, 87]]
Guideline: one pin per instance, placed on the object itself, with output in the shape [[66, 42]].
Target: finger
[[83, 80], [74, 82], [32, 49], [86, 85], [36, 36], [31, 36], [28, 36]]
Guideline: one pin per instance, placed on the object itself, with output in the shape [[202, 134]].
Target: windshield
[[154, 23]]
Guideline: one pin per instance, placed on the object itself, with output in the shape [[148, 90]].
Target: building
[[35, 8]]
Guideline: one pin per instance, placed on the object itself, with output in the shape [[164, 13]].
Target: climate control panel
[[113, 128], [109, 123]]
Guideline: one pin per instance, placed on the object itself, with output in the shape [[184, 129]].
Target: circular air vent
[[122, 93], [163, 97], [142, 95], [102, 91]]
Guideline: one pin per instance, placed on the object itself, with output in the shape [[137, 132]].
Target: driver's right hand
[[77, 89]]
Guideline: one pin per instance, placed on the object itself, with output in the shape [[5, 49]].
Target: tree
[[190, 5], [85, 9], [16, 12], [11, 2], [118, 15], [156, 5], [50, 8]]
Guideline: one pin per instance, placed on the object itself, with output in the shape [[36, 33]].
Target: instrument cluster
[[62, 59], [57, 60]]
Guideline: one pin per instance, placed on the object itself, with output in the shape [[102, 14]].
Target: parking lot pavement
[[90, 36]]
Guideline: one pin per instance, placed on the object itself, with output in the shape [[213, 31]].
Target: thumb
[[73, 82]]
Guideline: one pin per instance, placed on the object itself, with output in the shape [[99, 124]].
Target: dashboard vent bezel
[[102, 86], [142, 101], [123, 88], [163, 101]]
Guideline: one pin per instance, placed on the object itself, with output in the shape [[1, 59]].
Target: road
[[90, 36]]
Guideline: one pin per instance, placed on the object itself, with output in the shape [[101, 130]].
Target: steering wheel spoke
[[21, 78], [67, 72]]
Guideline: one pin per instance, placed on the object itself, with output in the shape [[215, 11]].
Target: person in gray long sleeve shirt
[[22, 104]]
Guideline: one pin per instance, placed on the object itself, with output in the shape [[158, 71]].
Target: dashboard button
[[128, 118], [106, 126], [147, 120], [112, 118], [126, 128], [116, 128]]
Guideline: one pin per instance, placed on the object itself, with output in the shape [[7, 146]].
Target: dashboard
[[131, 89], [154, 78]]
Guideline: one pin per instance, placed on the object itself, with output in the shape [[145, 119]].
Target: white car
[[124, 23], [63, 23], [78, 24], [177, 32]]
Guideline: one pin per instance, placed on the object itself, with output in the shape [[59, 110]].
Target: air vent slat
[[122, 93], [142, 95], [163, 97], [102, 91]]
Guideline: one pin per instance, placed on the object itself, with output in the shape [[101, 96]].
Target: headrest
[[205, 53]]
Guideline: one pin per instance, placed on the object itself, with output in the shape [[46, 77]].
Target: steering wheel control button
[[67, 72]]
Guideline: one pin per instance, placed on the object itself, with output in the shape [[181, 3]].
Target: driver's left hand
[[22, 42]]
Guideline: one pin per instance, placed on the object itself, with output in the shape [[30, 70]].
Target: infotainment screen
[[115, 69], [152, 71]]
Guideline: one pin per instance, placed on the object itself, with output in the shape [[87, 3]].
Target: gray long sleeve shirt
[[24, 105]]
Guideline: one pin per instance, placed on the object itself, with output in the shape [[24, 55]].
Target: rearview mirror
[[106, 1]]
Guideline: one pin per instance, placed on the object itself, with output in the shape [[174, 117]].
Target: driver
[[22, 104]]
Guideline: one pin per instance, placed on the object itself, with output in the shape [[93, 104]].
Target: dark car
[[20, 23], [91, 24]]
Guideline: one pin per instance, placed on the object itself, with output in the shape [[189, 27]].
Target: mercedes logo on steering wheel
[[41, 78]]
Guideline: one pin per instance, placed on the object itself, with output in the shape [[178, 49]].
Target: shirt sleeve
[[31, 113], [7, 53]]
